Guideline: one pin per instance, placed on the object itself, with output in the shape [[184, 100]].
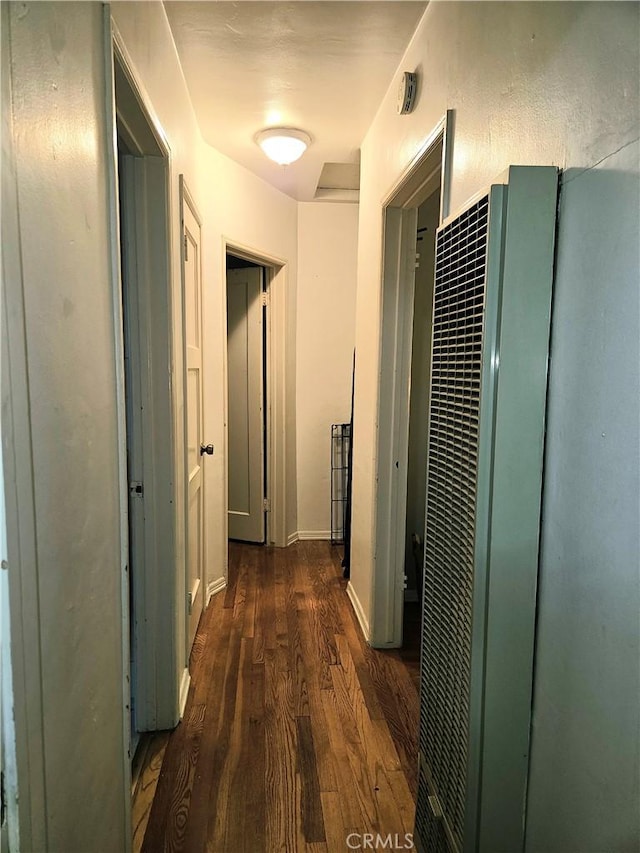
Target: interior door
[[245, 361], [136, 406], [196, 452]]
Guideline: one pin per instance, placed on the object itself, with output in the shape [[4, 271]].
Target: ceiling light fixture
[[283, 145]]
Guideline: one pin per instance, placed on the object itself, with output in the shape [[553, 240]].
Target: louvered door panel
[[460, 281], [493, 277], [430, 831]]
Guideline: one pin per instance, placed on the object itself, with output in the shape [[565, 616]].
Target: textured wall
[[547, 84], [58, 95], [327, 256]]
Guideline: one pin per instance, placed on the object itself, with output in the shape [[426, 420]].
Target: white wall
[[550, 84], [327, 257], [59, 89], [8, 759], [61, 144], [248, 213], [10, 258]]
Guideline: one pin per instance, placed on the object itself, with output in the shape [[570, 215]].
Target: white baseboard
[[308, 535], [185, 683], [357, 607], [215, 586]]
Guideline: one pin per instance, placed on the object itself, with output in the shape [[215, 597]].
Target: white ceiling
[[322, 67]]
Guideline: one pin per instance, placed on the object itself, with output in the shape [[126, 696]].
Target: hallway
[[296, 733]]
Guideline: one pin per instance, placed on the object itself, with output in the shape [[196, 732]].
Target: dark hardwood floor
[[296, 733]]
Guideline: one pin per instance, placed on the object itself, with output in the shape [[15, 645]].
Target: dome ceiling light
[[283, 145]]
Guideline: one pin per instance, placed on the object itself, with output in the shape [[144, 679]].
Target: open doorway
[[271, 302], [412, 212], [422, 327], [146, 406], [247, 449]]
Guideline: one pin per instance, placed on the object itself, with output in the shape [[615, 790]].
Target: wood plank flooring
[[296, 733]]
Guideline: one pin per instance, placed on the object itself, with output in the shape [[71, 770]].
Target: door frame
[[186, 198], [275, 285], [430, 168], [160, 697], [257, 513]]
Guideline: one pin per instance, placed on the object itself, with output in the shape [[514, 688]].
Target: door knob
[[206, 448]]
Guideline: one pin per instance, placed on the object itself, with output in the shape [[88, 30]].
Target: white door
[[245, 362], [196, 452]]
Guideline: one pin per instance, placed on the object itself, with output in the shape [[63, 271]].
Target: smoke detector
[[407, 92]]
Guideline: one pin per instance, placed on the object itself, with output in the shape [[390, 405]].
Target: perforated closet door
[[458, 326]]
